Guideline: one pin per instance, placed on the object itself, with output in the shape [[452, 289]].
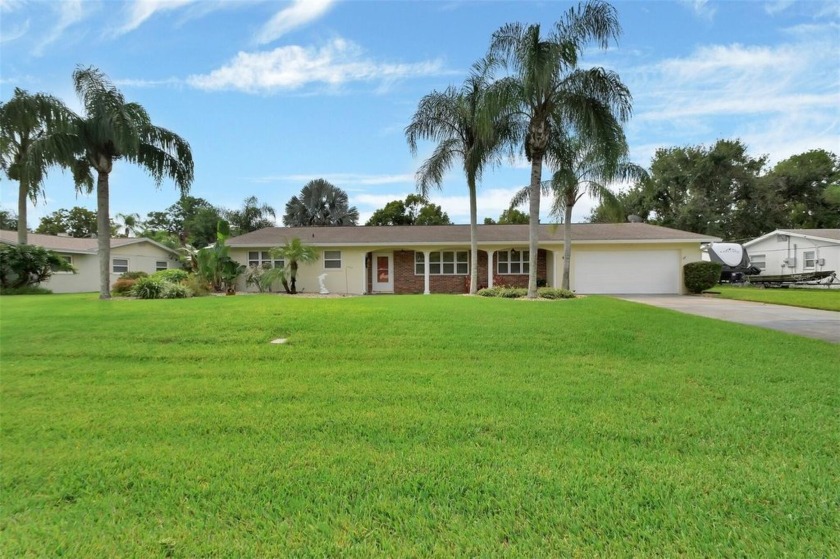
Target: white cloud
[[70, 12], [777, 6], [701, 8], [14, 33], [10, 5], [299, 13], [141, 10], [293, 67]]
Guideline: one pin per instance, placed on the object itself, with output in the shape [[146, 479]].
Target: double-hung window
[[263, 259], [332, 259], [513, 262], [809, 259], [759, 261], [161, 265], [119, 265], [443, 263]]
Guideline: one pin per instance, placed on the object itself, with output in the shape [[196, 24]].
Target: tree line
[[722, 190]]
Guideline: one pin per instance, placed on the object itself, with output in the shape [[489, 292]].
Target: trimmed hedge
[[700, 276], [519, 292]]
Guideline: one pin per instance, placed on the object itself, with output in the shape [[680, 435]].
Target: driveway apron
[[811, 323]]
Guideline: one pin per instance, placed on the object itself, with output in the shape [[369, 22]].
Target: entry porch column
[[426, 255], [490, 254]]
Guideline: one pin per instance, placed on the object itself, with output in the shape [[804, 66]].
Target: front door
[[383, 272]]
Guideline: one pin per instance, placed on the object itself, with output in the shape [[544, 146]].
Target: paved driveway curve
[[811, 323]]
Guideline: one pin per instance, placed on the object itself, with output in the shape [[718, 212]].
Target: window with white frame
[[119, 265], [263, 259], [67, 258], [332, 259], [809, 259], [443, 263], [513, 262], [161, 265], [759, 261]]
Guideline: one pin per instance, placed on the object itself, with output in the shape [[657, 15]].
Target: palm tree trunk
[[103, 234], [293, 275], [473, 237], [567, 245], [22, 196], [534, 224]]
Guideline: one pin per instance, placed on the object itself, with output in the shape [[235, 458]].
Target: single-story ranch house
[[794, 251], [606, 258], [127, 255]]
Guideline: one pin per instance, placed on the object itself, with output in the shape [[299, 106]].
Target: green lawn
[[827, 299], [410, 426]]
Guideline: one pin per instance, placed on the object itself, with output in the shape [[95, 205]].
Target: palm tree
[[292, 253], [25, 120], [129, 223], [112, 129], [319, 204], [252, 216], [549, 92], [584, 168], [466, 128]]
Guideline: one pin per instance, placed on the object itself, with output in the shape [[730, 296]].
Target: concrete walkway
[[811, 323]]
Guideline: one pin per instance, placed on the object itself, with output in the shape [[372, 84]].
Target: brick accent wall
[[406, 281]]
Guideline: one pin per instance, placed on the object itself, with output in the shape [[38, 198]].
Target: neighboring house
[[127, 255], [793, 251], [606, 258]]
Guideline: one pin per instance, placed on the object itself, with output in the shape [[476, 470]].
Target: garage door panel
[[633, 271]]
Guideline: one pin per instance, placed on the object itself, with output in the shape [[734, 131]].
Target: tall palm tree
[[109, 130], [292, 252], [25, 120], [584, 168], [466, 128], [319, 204], [549, 92]]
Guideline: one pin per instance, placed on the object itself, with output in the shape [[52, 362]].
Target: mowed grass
[[410, 426], [816, 298]]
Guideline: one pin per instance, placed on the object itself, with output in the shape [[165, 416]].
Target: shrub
[[555, 293], [24, 265], [149, 288], [197, 286], [175, 291], [503, 291], [123, 286], [133, 275], [700, 276], [26, 290], [172, 275]]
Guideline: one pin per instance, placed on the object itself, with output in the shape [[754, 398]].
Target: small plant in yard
[[554, 293], [700, 276], [158, 288], [503, 291], [507, 292]]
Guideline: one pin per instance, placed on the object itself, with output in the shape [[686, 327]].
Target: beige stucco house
[[606, 258], [134, 255]]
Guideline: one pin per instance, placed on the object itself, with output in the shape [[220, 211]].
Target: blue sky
[[272, 94]]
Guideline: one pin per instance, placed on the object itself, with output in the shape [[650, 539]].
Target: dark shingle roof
[[460, 234]]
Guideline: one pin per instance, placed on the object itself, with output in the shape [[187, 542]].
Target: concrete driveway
[[811, 323]]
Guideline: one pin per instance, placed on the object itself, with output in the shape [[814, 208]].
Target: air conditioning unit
[[821, 262], [789, 262]]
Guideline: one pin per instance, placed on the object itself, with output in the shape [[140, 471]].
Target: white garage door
[[631, 271]]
